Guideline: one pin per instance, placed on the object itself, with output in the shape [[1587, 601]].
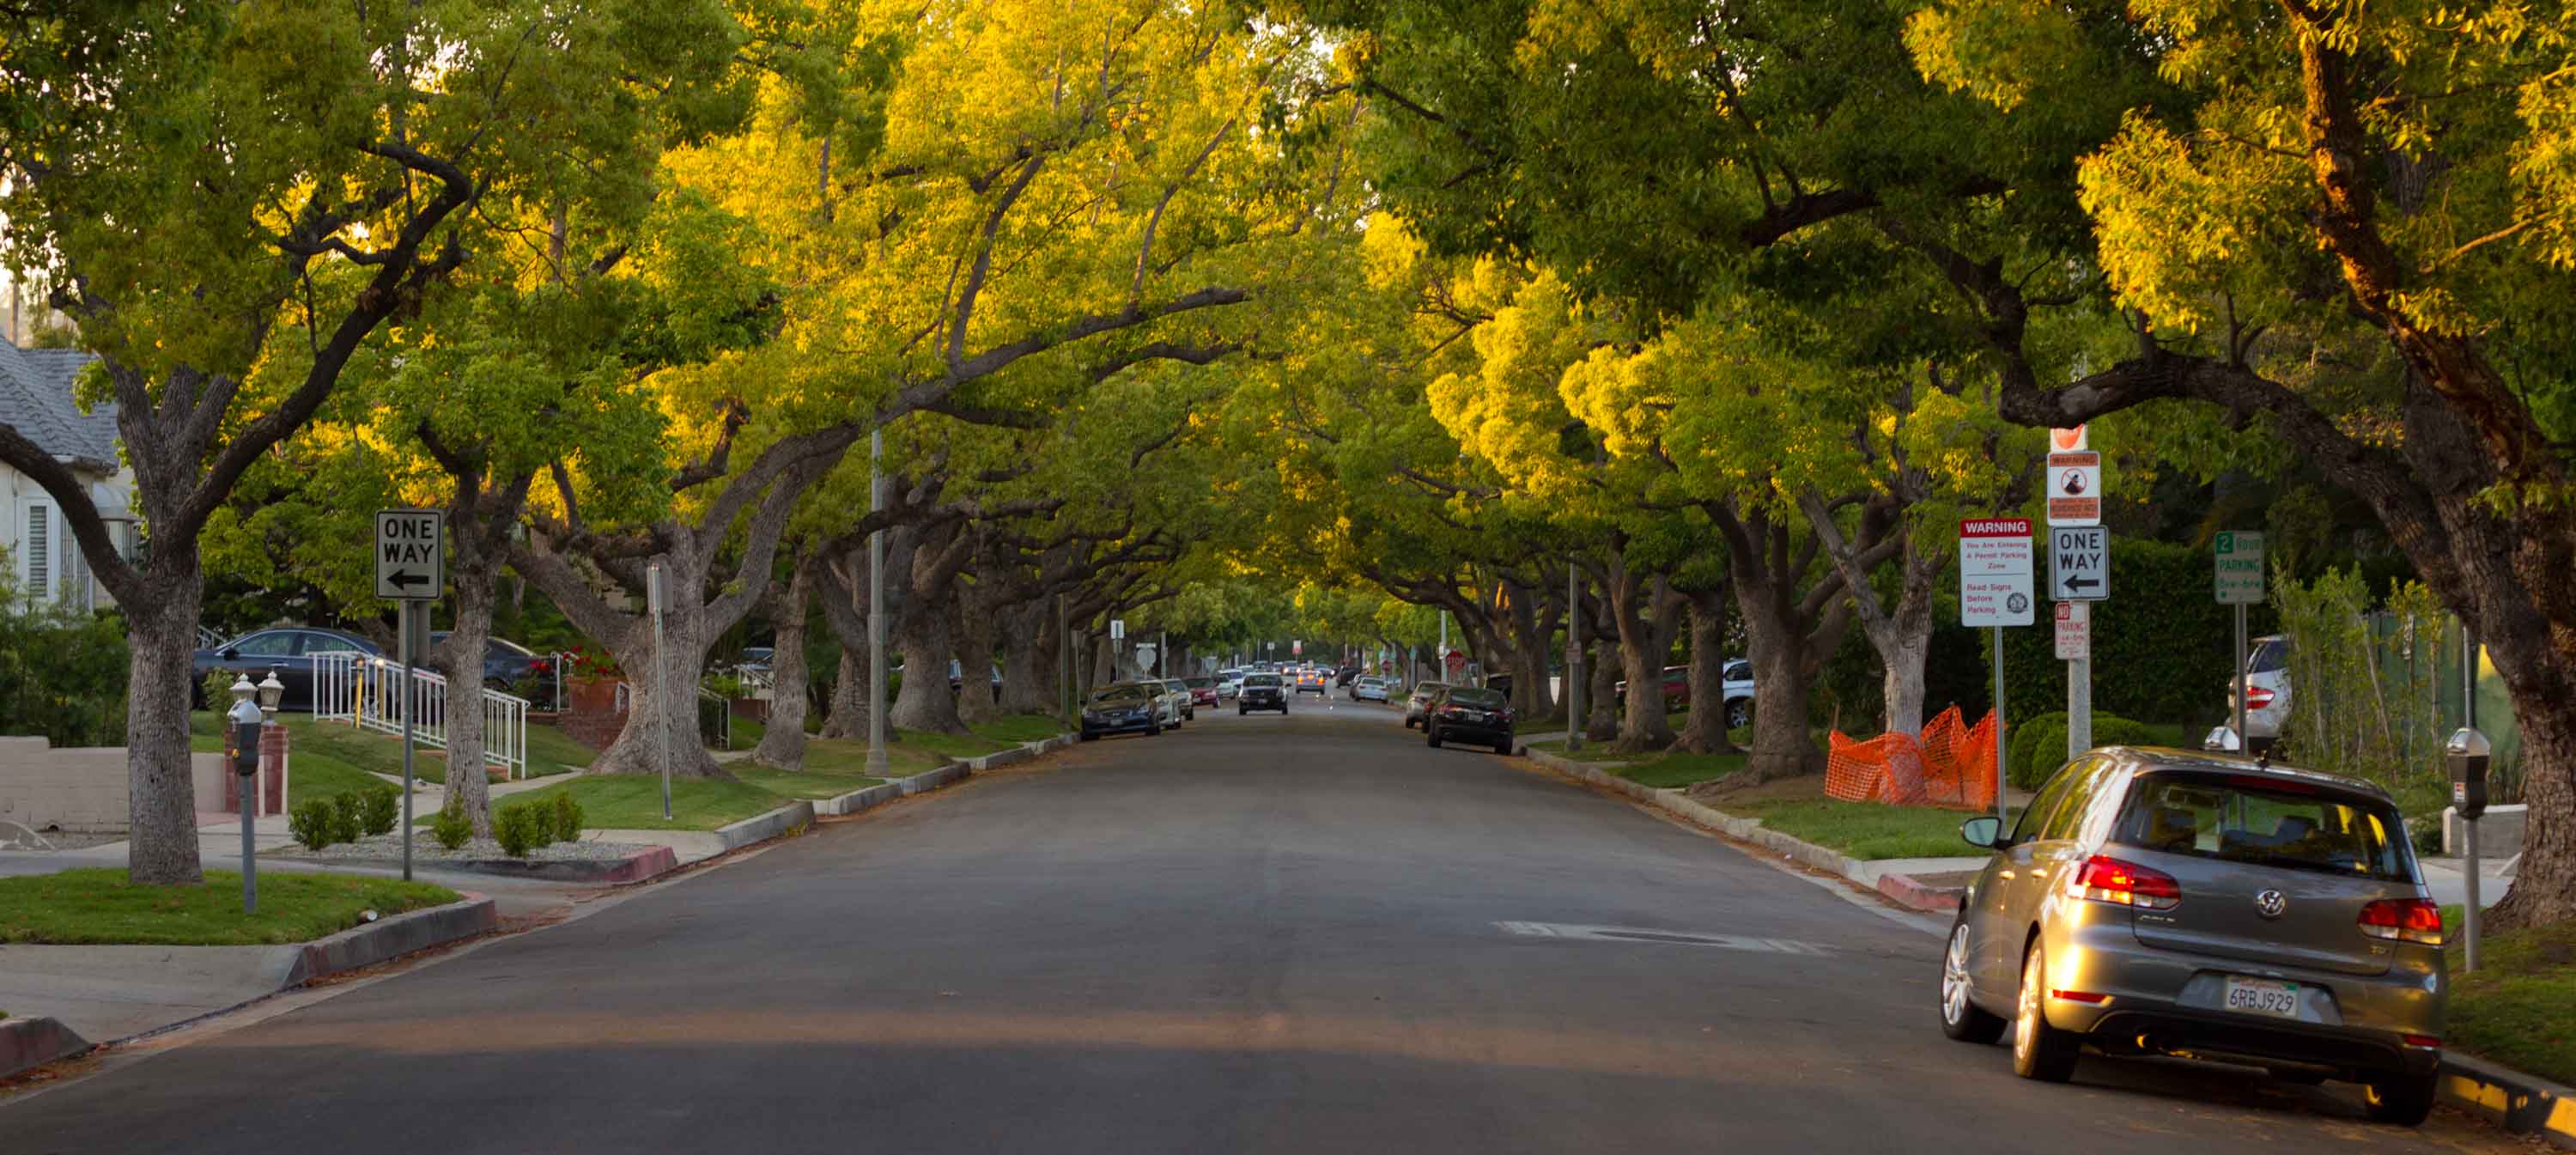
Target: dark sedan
[[1469, 714], [505, 662], [1123, 708], [288, 650], [1262, 692]]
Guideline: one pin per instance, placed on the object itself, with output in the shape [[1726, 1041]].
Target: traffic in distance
[[1466, 715]]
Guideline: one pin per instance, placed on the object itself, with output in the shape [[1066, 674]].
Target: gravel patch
[[426, 849]]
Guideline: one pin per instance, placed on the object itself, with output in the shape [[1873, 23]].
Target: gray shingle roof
[[36, 399]]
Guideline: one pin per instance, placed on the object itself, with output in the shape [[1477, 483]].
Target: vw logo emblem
[[2271, 903]]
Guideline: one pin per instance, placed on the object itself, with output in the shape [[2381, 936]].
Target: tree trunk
[[662, 703], [974, 628], [848, 717], [1030, 684], [1704, 729], [782, 742], [925, 702], [1643, 610], [461, 659], [160, 671], [1601, 665]]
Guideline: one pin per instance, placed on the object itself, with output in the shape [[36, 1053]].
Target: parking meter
[[245, 720], [2468, 754]]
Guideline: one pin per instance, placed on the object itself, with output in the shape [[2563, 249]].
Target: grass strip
[[99, 905], [2519, 1007]]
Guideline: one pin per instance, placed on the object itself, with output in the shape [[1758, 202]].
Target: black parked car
[[1262, 692], [505, 662], [1469, 713], [288, 650], [1123, 707]]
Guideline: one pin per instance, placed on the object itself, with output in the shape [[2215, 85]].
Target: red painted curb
[[1914, 895]]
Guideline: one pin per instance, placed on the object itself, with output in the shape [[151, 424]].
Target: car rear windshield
[[2265, 823], [1473, 696], [1120, 694], [1261, 680], [2273, 654]]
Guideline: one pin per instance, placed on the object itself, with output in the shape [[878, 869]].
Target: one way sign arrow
[[2079, 563], [411, 553]]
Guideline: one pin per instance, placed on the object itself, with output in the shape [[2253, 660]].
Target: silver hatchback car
[[2164, 902]]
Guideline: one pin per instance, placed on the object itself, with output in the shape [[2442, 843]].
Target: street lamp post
[[876, 610]]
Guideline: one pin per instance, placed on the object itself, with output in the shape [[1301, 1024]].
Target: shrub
[[2039, 745], [515, 827], [312, 821], [566, 812], [378, 809], [348, 816], [451, 828]]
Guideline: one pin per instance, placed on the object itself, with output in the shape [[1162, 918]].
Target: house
[[36, 400]]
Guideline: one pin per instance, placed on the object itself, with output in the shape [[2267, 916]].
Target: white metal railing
[[368, 692]]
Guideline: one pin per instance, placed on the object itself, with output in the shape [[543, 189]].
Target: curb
[[34, 1042], [387, 938], [929, 780], [2519, 1103], [1900, 888], [650, 862], [858, 800], [1021, 753], [763, 827]]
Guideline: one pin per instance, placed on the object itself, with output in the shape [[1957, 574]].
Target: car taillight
[[2107, 879], [541, 666], [2257, 698], [2406, 919]]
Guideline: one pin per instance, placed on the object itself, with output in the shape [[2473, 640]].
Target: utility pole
[[1573, 660], [877, 762]]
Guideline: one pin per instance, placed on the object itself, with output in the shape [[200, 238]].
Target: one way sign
[[2079, 563], [411, 554]]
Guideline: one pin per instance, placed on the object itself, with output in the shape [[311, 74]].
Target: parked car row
[[1735, 690]]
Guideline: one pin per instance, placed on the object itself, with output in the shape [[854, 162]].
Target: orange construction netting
[[1950, 764]]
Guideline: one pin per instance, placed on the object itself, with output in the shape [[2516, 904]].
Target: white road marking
[[1655, 935]]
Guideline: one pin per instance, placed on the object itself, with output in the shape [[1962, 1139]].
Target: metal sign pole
[[2244, 742], [1573, 658], [655, 592], [877, 757], [2001, 815], [410, 693], [2469, 826]]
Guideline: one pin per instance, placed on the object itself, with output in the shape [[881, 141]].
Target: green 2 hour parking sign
[[2240, 568]]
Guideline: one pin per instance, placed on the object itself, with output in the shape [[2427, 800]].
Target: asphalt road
[[1264, 934]]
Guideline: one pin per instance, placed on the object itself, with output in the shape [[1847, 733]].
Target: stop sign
[[1455, 661]]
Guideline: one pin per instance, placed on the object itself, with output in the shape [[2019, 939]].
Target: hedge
[[2163, 649], [2039, 745]]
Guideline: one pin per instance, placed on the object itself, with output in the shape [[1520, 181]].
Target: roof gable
[[36, 400]]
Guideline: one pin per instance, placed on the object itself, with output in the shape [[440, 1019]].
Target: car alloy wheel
[[1739, 714], [1961, 1017], [2040, 1051], [1432, 733]]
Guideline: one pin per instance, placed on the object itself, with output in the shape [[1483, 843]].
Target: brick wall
[[82, 789]]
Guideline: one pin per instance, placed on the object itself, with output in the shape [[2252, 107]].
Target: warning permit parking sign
[[1995, 586]]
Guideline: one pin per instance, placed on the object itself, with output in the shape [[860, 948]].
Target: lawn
[[634, 801], [953, 746], [1664, 771], [1592, 752], [317, 768], [850, 756], [98, 905], [1862, 829], [1018, 729], [806, 783], [334, 757], [2519, 1007]]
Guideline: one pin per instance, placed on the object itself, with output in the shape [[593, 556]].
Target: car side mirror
[[230, 655], [1985, 832]]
